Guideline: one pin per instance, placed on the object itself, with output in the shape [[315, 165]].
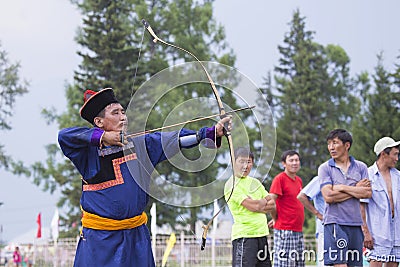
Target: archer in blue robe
[[115, 181]]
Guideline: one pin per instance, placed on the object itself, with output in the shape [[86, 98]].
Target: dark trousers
[[250, 252]]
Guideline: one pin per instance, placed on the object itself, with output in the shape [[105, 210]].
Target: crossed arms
[[263, 205], [339, 193]]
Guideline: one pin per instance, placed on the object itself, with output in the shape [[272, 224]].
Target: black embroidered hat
[[96, 102]]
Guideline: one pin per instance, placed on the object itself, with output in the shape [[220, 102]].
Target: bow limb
[[215, 91], [222, 115]]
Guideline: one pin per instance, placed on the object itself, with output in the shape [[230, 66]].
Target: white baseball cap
[[384, 143]]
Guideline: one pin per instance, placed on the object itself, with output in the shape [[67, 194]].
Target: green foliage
[[110, 47], [11, 87], [310, 97], [110, 40], [309, 224], [314, 94], [109, 50], [309, 93], [381, 109]]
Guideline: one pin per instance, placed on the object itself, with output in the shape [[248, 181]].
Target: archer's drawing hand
[[219, 127], [112, 138]]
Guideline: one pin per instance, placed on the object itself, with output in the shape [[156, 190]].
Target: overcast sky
[[40, 35]]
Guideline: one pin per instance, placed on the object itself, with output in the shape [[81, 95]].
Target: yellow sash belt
[[97, 222]]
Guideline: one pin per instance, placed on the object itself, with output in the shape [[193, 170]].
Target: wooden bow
[[222, 114]]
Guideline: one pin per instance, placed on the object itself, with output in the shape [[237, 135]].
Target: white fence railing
[[186, 252]]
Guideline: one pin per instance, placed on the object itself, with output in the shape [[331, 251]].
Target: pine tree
[[110, 40], [110, 47], [11, 87], [380, 115], [311, 95]]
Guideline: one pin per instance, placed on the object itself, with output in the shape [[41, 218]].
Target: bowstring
[[137, 62], [222, 111], [132, 92]]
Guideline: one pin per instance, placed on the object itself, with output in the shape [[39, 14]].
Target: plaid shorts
[[288, 249]]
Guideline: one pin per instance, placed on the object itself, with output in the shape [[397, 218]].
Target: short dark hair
[[288, 153], [244, 152], [387, 151], [341, 134], [102, 113]]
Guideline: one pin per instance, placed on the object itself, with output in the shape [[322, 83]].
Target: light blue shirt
[[313, 192], [346, 212], [384, 229]]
